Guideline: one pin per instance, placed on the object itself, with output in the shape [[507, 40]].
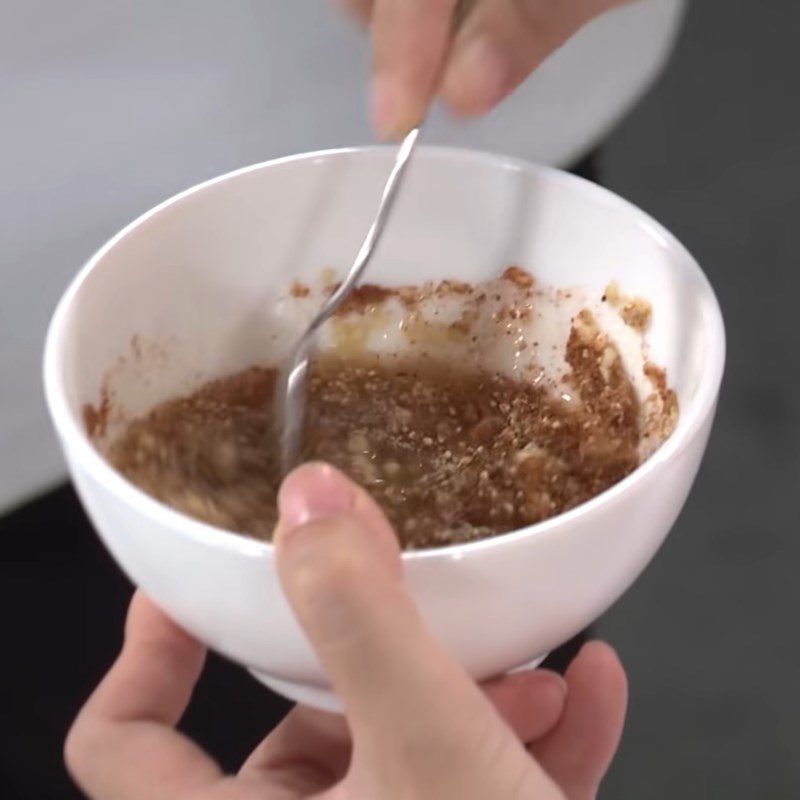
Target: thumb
[[339, 563], [414, 714]]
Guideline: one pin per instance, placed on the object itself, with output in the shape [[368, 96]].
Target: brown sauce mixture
[[450, 456]]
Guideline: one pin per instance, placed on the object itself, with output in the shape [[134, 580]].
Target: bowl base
[[307, 694], [322, 698]]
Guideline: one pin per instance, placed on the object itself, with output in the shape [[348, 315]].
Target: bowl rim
[[78, 447]]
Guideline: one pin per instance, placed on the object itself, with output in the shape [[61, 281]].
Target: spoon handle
[[292, 384]]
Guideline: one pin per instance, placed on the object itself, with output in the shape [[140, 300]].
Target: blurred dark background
[[708, 634]]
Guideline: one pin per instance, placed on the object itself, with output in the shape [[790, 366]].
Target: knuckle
[[76, 752], [331, 600], [330, 572], [330, 578]]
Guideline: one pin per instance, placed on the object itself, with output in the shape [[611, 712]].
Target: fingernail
[[394, 113], [481, 75], [312, 492]]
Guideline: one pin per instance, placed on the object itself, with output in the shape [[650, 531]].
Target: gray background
[[708, 634]]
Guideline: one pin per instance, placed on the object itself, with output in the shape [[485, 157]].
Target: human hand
[[473, 53], [415, 725]]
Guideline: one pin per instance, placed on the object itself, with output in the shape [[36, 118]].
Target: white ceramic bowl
[[184, 294]]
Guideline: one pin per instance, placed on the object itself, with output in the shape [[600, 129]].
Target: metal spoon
[[290, 397]]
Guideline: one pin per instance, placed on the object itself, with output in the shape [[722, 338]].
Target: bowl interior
[[185, 293]]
